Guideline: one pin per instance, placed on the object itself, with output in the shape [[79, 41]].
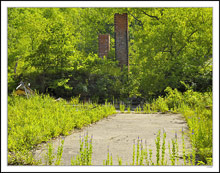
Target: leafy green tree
[[54, 46], [170, 45]]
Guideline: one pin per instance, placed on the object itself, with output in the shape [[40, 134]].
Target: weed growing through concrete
[[111, 161], [177, 149], [133, 153], [146, 154], [107, 161], [150, 155], [59, 153], [85, 152], [173, 155], [183, 148], [119, 161], [157, 142], [141, 154], [49, 155], [163, 148], [197, 109], [137, 152]]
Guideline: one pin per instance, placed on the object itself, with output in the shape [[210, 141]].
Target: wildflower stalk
[[150, 153], [163, 148], [177, 153], [90, 152], [184, 149], [49, 155], [170, 155], [157, 141], [137, 157], [84, 156], [177, 149], [146, 156], [119, 161], [173, 152], [59, 153], [107, 161], [142, 154], [133, 153], [111, 162]]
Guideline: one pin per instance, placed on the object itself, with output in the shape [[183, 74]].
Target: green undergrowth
[[196, 107], [40, 118]]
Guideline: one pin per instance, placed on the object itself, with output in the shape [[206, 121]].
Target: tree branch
[[191, 35], [188, 40], [150, 15], [140, 22], [171, 47]]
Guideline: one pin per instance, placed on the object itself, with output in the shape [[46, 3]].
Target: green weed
[[85, 152], [163, 148], [157, 142], [59, 153], [137, 110], [119, 161], [128, 109], [122, 108], [49, 155], [147, 109], [40, 118], [183, 148], [196, 108]]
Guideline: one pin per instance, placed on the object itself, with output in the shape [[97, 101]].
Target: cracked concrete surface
[[118, 133]]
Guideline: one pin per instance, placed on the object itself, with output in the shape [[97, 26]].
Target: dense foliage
[[40, 118], [197, 110], [55, 49]]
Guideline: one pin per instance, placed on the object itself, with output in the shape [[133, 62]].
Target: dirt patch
[[118, 132]]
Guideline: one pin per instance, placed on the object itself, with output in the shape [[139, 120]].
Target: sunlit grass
[[39, 118]]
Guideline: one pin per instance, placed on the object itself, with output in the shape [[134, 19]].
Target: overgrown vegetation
[[39, 118], [142, 155], [196, 107], [56, 50]]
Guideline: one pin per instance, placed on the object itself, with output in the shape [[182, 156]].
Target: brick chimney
[[104, 45], [121, 38]]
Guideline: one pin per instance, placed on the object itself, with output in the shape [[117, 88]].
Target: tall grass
[[197, 109], [39, 118]]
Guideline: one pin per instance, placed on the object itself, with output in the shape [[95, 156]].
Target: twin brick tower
[[121, 40]]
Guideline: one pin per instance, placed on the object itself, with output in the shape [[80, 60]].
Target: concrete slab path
[[118, 132]]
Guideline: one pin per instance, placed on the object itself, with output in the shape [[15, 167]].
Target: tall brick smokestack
[[121, 38], [104, 45]]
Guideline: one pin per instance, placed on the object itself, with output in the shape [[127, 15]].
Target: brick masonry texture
[[121, 38], [104, 45]]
